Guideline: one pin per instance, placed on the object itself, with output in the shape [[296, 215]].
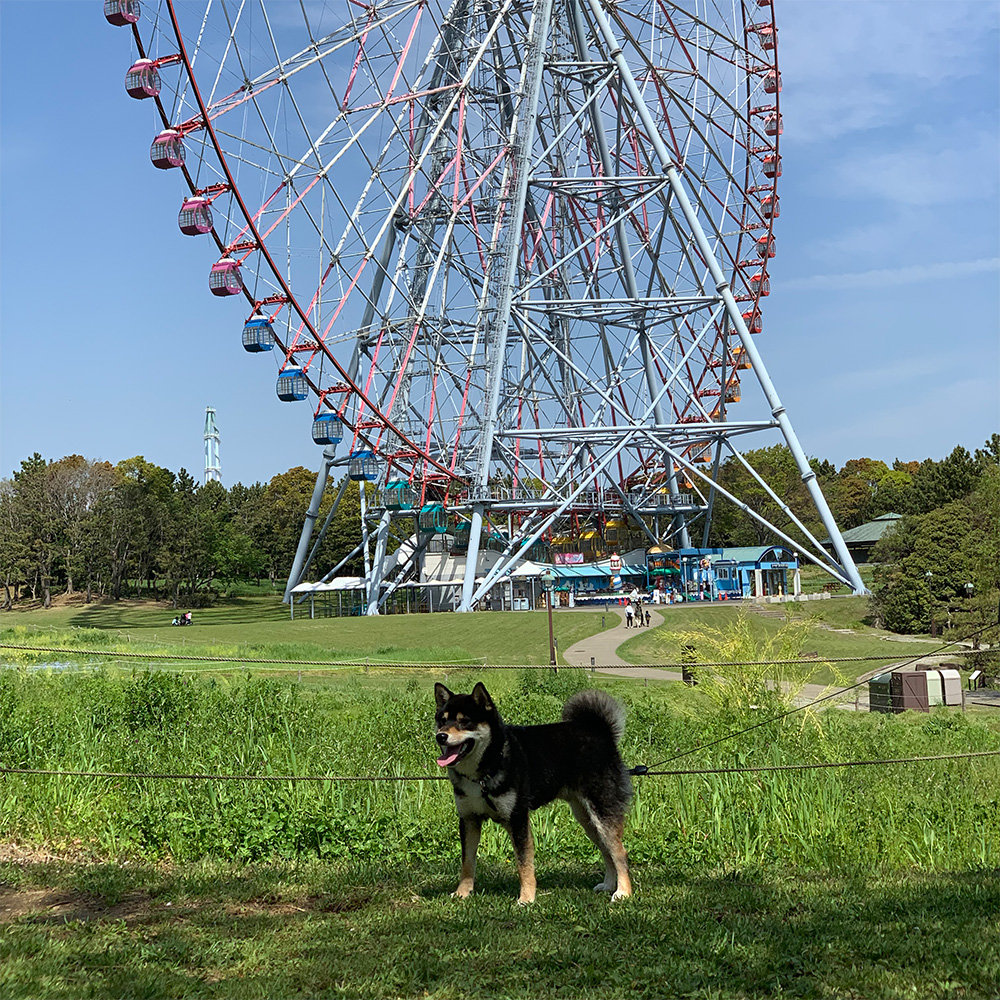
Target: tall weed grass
[[932, 816]]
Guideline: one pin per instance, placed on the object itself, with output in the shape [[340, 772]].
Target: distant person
[[647, 619], [628, 616]]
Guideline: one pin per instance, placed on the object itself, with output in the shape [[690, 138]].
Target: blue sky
[[881, 332]]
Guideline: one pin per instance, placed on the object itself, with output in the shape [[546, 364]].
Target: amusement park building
[[689, 574], [861, 540], [725, 573]]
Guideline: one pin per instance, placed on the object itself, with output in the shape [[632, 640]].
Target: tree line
[[947, 539], [136, 529], [861, 490]]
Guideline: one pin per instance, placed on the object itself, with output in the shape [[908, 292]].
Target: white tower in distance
[[213, 465]]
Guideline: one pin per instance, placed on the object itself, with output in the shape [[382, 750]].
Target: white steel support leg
[[725, 292], [503, 267], [378, 564], [299, 562]]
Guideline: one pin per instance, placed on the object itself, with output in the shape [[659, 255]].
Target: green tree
[[15, 549], [181, 550], [76, 487], [865, 488], [938, 483], [135, 520], [277, 520], [35, 526], [989, 455], [776, 466], [926, 560]]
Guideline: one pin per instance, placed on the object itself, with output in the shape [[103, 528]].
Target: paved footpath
[[603, 647]]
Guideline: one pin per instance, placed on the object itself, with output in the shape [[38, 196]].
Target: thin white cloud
[[859, 66], [881, 277], [929, 169]]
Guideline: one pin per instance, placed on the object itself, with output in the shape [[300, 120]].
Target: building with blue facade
[[724, 573]]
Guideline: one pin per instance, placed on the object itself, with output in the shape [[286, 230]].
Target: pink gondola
[[772, 82], [767, 34], [761, 283], [167, 150], [225, 277], [195, 216], [773, 124], [121, 12], [142, 80]]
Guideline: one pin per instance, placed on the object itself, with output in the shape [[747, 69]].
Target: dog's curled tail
[[596, 707]]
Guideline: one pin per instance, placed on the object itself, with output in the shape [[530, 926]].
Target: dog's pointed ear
[[441, 695], [482, 697]]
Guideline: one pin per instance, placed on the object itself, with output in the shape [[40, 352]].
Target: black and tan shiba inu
[[502, 772]]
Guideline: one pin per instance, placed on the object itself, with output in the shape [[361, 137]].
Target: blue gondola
[[433, 518], [291, 385], [363, 467], [258, 334], [328, 428], [399, 495]]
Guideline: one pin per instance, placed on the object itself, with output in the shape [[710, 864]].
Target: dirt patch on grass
[[75, 852], [60, 906]]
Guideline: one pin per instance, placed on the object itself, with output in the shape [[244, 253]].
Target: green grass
[[314, 930], [658, 645], [248, 626], [875, 882], [814, 579]]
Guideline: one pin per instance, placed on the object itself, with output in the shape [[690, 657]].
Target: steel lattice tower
[[213, 464]]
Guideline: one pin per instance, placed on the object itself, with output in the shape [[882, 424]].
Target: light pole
[[929, 576], [548, 578]]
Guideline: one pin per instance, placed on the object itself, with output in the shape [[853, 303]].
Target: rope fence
[[465, 665], [640, 771]]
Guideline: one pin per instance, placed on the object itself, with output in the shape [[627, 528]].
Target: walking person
[[628, 616]]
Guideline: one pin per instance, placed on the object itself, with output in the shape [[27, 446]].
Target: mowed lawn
[[319, 931], [252, 623], [245, 626]]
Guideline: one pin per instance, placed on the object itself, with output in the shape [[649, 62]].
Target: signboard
[[569, 558]]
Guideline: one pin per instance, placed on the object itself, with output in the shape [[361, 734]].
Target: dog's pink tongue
[[448, 758]]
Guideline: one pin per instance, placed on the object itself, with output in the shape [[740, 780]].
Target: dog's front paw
[[620, 894], [463, 890], [604, 887]]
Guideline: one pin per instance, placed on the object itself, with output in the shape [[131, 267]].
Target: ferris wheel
[[513, 252]]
